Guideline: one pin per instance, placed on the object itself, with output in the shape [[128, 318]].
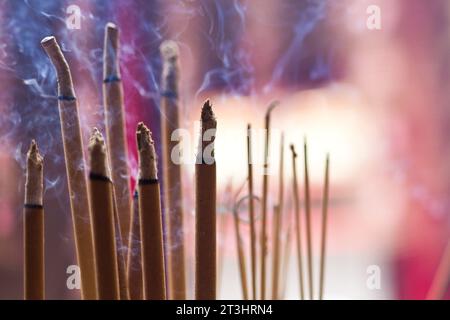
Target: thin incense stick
[[75, 167], [278, 226], [308, 223], [103, 225], [264, 200], [251, 210], [298, 233], [241, 255], [121, 254], [205, 205], [324, 227], [134, 266], [115, 128], [34, 269], [286, 260], [150, 218], [441, 280], [172, 171]]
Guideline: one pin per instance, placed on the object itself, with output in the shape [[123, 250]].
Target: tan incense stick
[[205, 206], [241, 255], [298, 233], [264, 200], [278, 213], [308, 223], [115, 128], [150, 218], [34, 259], [324, 227], [251, 210], [75, 167], [134, 266], [103, 224], [172, 171]]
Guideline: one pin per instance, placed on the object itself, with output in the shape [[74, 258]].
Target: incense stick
[[172, 171], [102, 208], [278, 226], [308, 223], [34, 260], [205, 205], [115, 128], [324, 228], [264, 200], [74, 158], [441, 279], [240, 252], [251, 210], [286, 260], [297, 222], [150, 218], [134, 266]]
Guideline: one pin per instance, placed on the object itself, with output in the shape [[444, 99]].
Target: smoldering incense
[[277, 226], [251, 211], [34, 258], [74, 158], [103, 225], [205, 209], [264, 200], [297, 217], [308, 222], [115, 128], [324, 228], [172, 171], [150, 218]]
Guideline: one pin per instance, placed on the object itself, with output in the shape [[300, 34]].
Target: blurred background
[[376, 99]]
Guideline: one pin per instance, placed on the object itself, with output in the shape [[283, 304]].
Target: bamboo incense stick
[[251, 211], [286, 260], [102, 208], [264, 200], [241, 255], [152, 249], [278, 226], [121, 254], [75, 167], [324, 227], [298, 233], [308, 222], [441, 279], [115, 128], [205, 208], [134, 266], [34, 269], [172, 171]]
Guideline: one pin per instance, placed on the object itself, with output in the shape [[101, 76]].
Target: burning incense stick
[[34, 270], [150, 218], [324, 227], [121, 256], [277, 226], [298, 233], [74, 157], [172, 171], [264, 200], [240, 252], [308, 223], [205, 205], [251, 210], [441, 280], [102, 208], [115, 127], [134, 266]]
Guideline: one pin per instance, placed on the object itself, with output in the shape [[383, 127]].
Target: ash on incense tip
[[34, 179], [147, 154], [97, 151], [169, 50]]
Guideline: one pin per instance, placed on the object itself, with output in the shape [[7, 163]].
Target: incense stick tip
[[207, 112], [33, 155], [293, 150], [111, 26], [34, 178], [169, 50], [48, 41], [272, 106], [147, 153]]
